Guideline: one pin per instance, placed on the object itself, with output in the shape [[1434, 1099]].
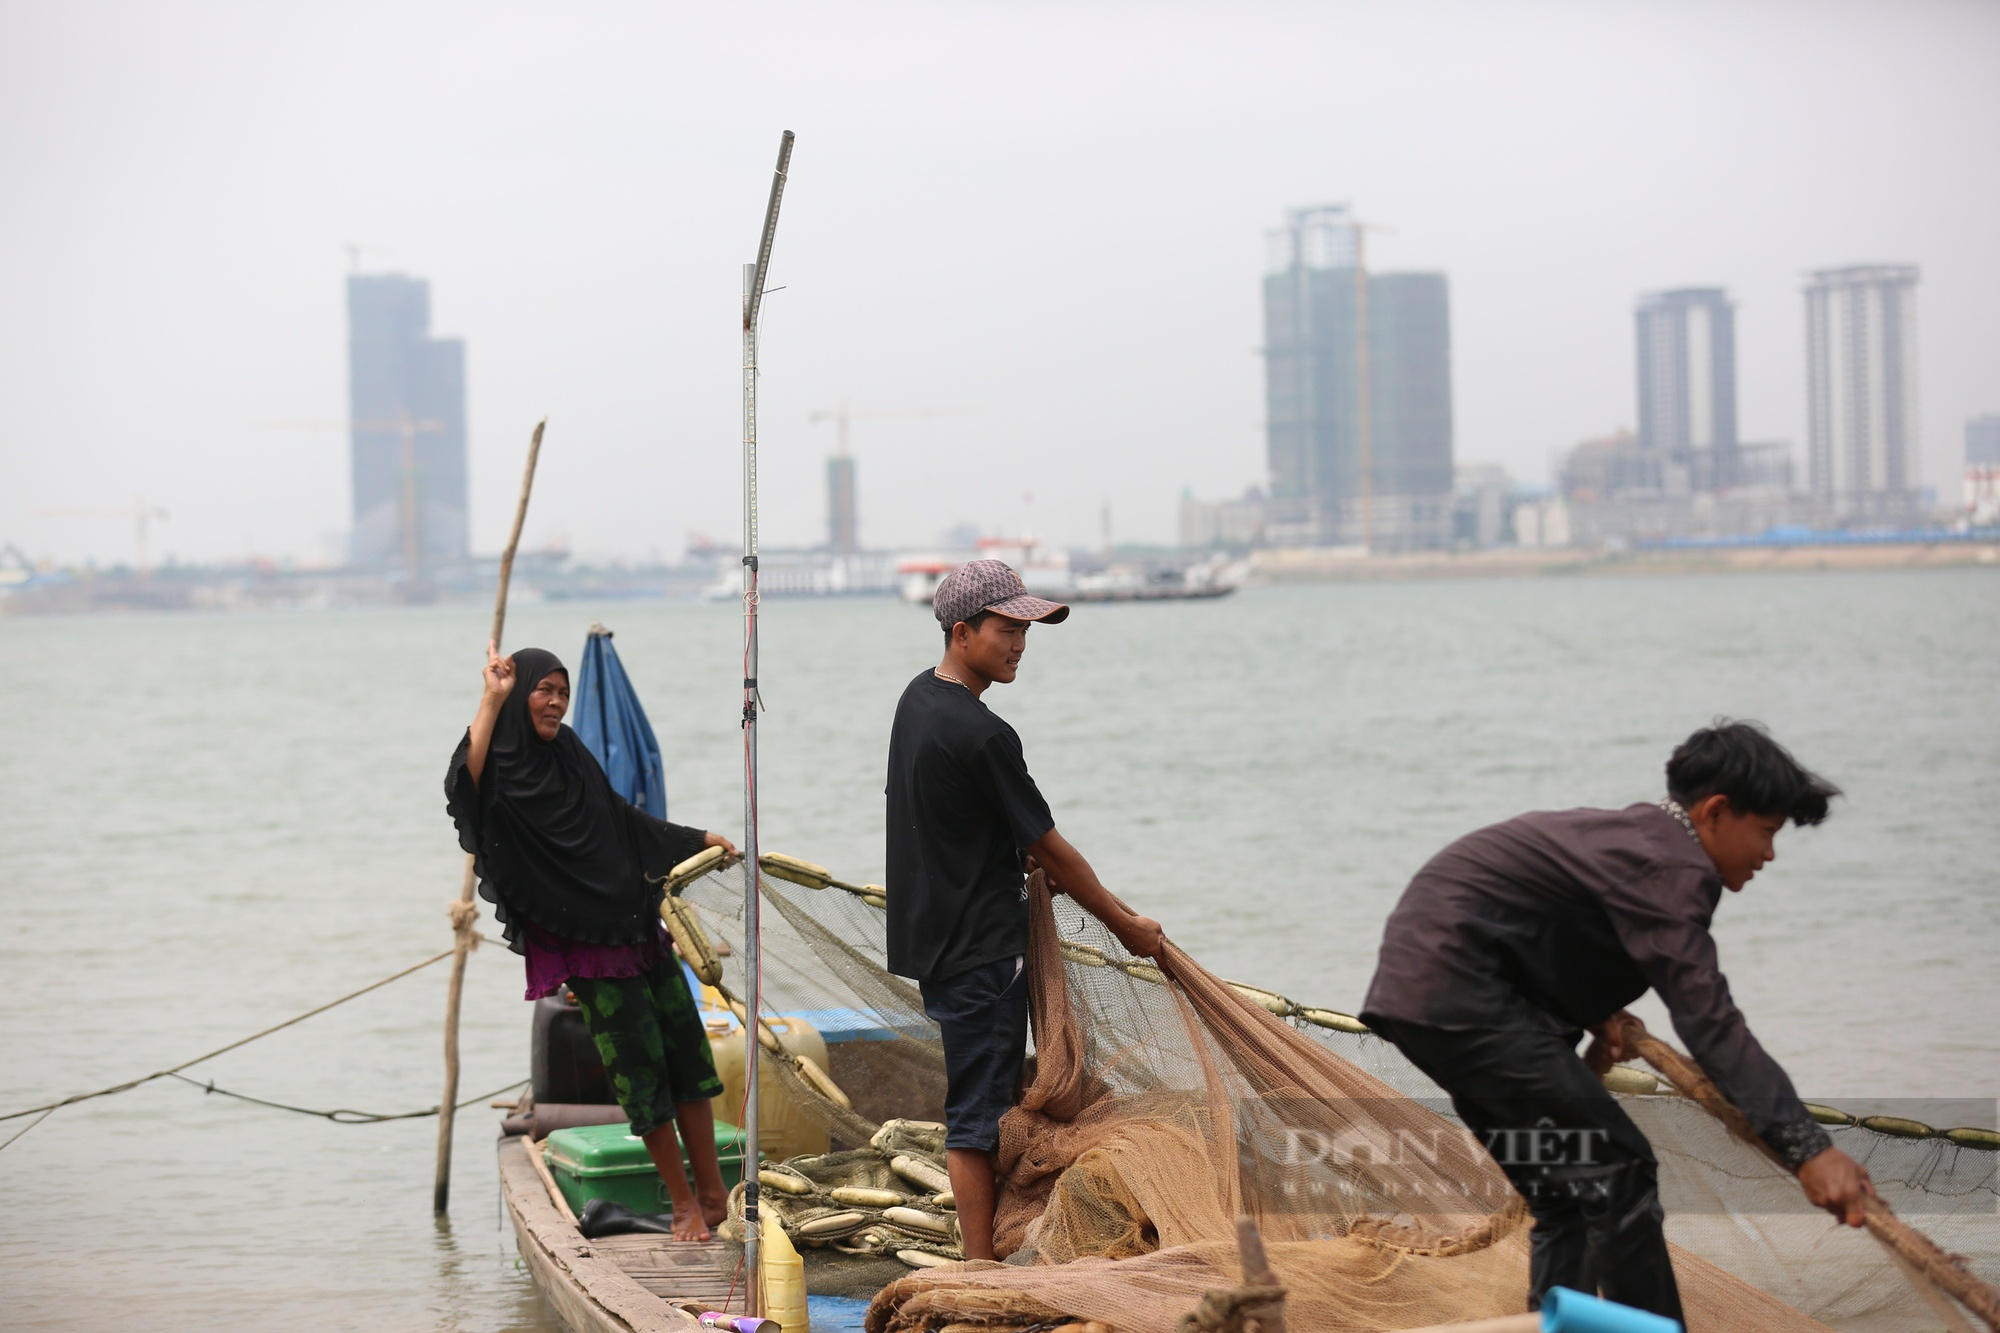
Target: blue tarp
[[610, 722], [836, 1314]]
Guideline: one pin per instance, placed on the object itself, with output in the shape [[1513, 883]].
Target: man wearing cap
[[964, 819]]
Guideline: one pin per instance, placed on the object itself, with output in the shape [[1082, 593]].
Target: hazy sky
[[1049, 216]]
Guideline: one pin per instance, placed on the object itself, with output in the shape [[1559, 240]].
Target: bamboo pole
[[464, 913], [1911, 1247]]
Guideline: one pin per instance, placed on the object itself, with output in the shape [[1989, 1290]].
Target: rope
[[43, 1112], [1946, 1271], [343, 1116], [30, 1125], [1333, 1020], [1224, 1309]]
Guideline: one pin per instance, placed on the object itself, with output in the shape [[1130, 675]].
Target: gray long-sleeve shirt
[[1559, 919]]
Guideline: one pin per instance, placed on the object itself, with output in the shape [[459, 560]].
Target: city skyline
[[976, 219]]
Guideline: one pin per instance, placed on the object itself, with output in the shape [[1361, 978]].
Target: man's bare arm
[[1069, 873]]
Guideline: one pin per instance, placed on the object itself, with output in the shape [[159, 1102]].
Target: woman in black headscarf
[[575, 875]]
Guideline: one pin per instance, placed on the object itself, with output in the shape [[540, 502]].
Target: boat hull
[[612, 1285]]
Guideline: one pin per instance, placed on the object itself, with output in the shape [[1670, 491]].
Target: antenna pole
[[753, 300]]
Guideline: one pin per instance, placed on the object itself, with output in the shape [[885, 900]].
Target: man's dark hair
[[1739, 760], [971, 622]]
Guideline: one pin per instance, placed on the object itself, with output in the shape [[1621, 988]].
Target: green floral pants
[[651, 1040]]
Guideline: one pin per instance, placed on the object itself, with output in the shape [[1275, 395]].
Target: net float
[[860, 1196]]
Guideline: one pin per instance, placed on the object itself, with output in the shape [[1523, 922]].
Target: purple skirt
[[553, 960]]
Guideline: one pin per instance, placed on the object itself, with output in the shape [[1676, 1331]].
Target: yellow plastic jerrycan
[[783, 1126], [784, 1285]]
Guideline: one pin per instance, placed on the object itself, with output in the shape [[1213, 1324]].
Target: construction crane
[[139, 512], [842, 533], [356, 249], [409, 428]]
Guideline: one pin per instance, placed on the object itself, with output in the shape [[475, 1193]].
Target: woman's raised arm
[[499, 676]]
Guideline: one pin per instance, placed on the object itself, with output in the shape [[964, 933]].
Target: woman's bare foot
[[714, 1208], [690, 1226]]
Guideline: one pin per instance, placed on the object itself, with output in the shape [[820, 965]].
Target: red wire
[[732, 1286]]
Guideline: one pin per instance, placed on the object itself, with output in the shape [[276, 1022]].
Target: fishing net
[[1163, 1102]]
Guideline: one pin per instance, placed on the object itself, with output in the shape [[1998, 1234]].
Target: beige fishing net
[[1165, 1102]]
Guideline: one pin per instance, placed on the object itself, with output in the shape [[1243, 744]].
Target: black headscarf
[[551, 841]]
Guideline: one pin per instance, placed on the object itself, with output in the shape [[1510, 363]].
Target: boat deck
[[615, 1284], [700, 1272]]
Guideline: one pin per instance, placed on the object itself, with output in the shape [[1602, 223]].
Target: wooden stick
[[1257, 1273], [1916, 1250], [464, 914], [541, 1165]]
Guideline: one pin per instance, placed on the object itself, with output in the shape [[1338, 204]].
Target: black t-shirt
[[962, 809]]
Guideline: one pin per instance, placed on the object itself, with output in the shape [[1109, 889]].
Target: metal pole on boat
[[753, 299]]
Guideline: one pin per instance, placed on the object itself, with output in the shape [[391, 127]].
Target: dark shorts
[[650, 1037], [983, 1016]]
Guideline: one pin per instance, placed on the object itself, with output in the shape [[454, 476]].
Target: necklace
[[942, 674], [1673, 807]]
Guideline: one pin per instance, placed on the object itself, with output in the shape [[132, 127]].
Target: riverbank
[[1329, 564]]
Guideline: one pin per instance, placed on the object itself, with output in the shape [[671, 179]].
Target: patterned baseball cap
[[989, 585]]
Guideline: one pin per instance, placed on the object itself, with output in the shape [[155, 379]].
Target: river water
[[209, 823]]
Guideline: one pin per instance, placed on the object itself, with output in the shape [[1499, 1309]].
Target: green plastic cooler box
[[610, 1162]]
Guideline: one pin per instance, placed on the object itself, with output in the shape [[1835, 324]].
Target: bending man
[[963, 818], [1516, 939]]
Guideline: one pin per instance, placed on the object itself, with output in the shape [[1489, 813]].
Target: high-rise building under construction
[[842, 530], [406, 404], [1357, 374], [1861, 391]]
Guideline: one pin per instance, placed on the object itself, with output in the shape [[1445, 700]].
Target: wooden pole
[[464, 913], [1269, 1316], [1913, 1250]]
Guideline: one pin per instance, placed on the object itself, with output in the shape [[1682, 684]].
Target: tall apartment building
[[1982, 441], [1687, 388], [406, 404], [1356, 364], [1863, 448]]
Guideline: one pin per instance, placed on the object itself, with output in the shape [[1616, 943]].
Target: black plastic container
[[564, 1065]]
